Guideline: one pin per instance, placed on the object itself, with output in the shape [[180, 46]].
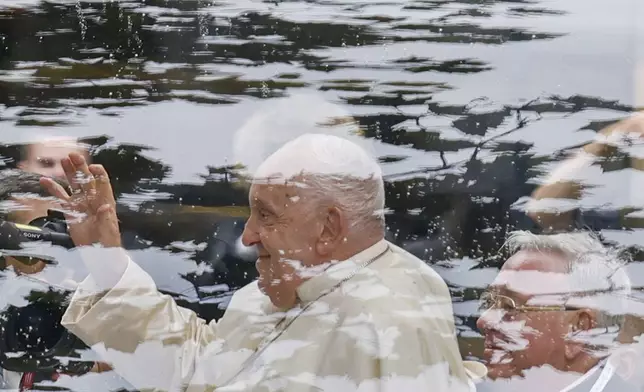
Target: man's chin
[[499, 364], [501, 371]]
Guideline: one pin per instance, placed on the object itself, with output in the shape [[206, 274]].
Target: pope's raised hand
[[90, 209]]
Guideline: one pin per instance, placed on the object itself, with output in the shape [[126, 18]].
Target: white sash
[[607, 373]]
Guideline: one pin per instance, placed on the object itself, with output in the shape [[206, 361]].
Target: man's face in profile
[[522, 326], [282, 226], [44, 158]]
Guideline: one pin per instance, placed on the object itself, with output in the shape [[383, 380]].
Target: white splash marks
[[202, 19], [265, 90], [81, 20]]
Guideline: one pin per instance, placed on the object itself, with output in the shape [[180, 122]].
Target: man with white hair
[[336, 307], [552, 315]]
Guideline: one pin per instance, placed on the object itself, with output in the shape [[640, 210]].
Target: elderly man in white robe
[[335, 308]]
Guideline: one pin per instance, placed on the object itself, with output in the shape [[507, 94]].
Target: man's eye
[[486, 304], [46, 162]]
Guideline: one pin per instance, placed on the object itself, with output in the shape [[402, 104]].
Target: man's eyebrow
[[504, 290], [518, 296], [259, 203]]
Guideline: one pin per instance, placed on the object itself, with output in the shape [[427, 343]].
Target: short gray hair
[[336, 170], [363, 200], [591, 267]]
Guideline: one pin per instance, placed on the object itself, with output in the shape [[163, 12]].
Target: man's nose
[[489, 319], [58, 172], [250, 236]]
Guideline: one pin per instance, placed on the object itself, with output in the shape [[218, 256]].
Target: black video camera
[[32, 338]]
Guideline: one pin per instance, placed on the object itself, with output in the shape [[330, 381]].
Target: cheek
[[269, 236], [549, 323], [306, 234], [284, 240], [547, 336]]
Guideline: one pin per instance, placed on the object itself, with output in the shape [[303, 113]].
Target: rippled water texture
[[468, 103]]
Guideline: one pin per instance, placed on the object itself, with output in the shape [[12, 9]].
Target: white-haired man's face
[[527, 321], [292, 232], [294, 223]]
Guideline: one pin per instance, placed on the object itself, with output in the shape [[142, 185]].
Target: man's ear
[[334, 229], [580, 321]]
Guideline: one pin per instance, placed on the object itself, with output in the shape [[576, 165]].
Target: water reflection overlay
[[469, 104]]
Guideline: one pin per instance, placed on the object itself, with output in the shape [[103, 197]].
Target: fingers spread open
[[82, 176], [102, 184], [70, 173]]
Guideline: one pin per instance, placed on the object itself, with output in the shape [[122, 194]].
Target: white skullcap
[[284, 119], [319, 154]]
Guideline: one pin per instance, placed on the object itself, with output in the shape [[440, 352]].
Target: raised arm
[[148, 339], [562, 183], [117, 311]]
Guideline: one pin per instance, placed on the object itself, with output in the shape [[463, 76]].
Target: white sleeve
[[144, 335], [106, 266]]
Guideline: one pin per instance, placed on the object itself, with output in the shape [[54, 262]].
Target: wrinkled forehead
[[276, 194], [531, 272]]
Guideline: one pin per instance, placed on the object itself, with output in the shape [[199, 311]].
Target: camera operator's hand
[[90, 210]]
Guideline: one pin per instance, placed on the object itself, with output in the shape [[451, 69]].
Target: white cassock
[[386, 326]]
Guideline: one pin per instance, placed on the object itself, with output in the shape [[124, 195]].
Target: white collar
[[336, 271]]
